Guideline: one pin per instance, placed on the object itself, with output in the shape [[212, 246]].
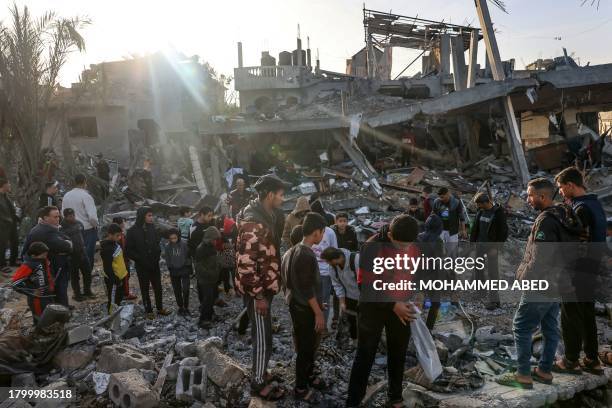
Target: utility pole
[[514, 138]]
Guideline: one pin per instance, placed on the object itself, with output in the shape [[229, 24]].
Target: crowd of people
[[313, 258]]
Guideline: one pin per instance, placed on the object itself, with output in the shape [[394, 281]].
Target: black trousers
[[180, 286], [9, 240], [150, 276], [373, 318], [305, 340], [491, 270], [225, 274], [261, 338], [114, 292], [80, 263], [207, 293], [579, 330], [352, 309]]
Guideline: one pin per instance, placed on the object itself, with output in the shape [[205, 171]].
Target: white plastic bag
[[425, 348]]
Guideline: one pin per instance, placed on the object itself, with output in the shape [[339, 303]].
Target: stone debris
[[191, 383], [130, 389], [117, 358], [100, 381], [74, 357], [220, 368]]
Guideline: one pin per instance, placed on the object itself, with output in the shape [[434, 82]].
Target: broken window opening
[[86, 126]]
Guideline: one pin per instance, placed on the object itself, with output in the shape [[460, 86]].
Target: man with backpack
[[578, 323]]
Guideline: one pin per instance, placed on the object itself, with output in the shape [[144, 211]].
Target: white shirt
[[83, 205], [329, 240]]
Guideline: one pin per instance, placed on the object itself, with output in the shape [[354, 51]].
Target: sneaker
[[131, 296], [163, 312]]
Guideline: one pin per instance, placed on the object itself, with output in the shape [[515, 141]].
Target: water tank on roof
[[267, 60], [295, 57], [284, 58]]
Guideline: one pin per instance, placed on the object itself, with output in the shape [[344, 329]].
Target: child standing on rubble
[[184, 222], [207, 275], [177, 258], [127, 295], [33, 279], [113, 263]]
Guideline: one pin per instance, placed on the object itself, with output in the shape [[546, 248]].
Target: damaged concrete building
[[457, 110]]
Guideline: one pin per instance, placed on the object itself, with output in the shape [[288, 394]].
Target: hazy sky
[[211, 29]]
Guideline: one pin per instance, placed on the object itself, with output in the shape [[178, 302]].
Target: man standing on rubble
[[48, 232], [489, 232], [451, 210], [84, 208], [8, 225], [48, 198], [143, 247], [543, 258], [578, 315], [239, 197], [258, 268]]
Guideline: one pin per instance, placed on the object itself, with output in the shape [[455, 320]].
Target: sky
[[211, 29]]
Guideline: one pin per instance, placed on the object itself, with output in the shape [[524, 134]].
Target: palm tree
[[32, 53]]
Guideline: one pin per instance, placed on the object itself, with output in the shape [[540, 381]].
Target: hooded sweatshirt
[[541, 259], [35, 275], [293, 220], [143, 241], [206, 258], [177, 257], [451, 214], [258, 259]]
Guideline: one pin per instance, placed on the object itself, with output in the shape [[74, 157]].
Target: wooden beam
[[514, 138]]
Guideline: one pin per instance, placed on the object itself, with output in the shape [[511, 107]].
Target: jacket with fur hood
[[541, 259], [295, 218], [257, 256]]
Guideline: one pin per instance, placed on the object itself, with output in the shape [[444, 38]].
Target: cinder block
[[117, 358], [129, 389], [191, 383]]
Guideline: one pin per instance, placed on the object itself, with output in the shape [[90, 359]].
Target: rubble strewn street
[[166, 241]]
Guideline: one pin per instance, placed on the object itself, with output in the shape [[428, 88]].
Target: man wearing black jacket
[[142, 246], [196, 232], [79, 262], [489, 232], [48, 232], [345, 234], [48, 198]]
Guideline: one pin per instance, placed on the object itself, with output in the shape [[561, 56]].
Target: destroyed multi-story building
[[454, 106]]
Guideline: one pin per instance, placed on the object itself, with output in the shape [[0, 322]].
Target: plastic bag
[[426, 349]]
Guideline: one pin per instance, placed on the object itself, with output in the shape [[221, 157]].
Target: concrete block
[[79, 334], [220, 368], [24, 380], [172, 371], [57, 385], [185, 349], [74, 357], [129, 389], [191, 383], [189, 361], [159, 343], [118, 358]]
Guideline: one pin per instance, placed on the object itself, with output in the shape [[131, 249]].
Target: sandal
[[591, 366], [538, 378], [568, 367], [274, 394], [509, 380], [306, 395], [606, 357]]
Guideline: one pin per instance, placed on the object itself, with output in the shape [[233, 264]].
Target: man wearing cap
[[489, 232], [258, 264]]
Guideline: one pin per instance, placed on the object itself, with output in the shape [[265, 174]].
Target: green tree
[[32, 53]]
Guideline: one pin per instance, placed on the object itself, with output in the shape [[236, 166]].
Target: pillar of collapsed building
[[514, 136], [473, 65], [445, 56], [240, 64], [308, 57], [464, 122]]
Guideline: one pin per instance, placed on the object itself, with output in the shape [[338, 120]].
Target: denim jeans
[[528, 317], [326, 291]]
